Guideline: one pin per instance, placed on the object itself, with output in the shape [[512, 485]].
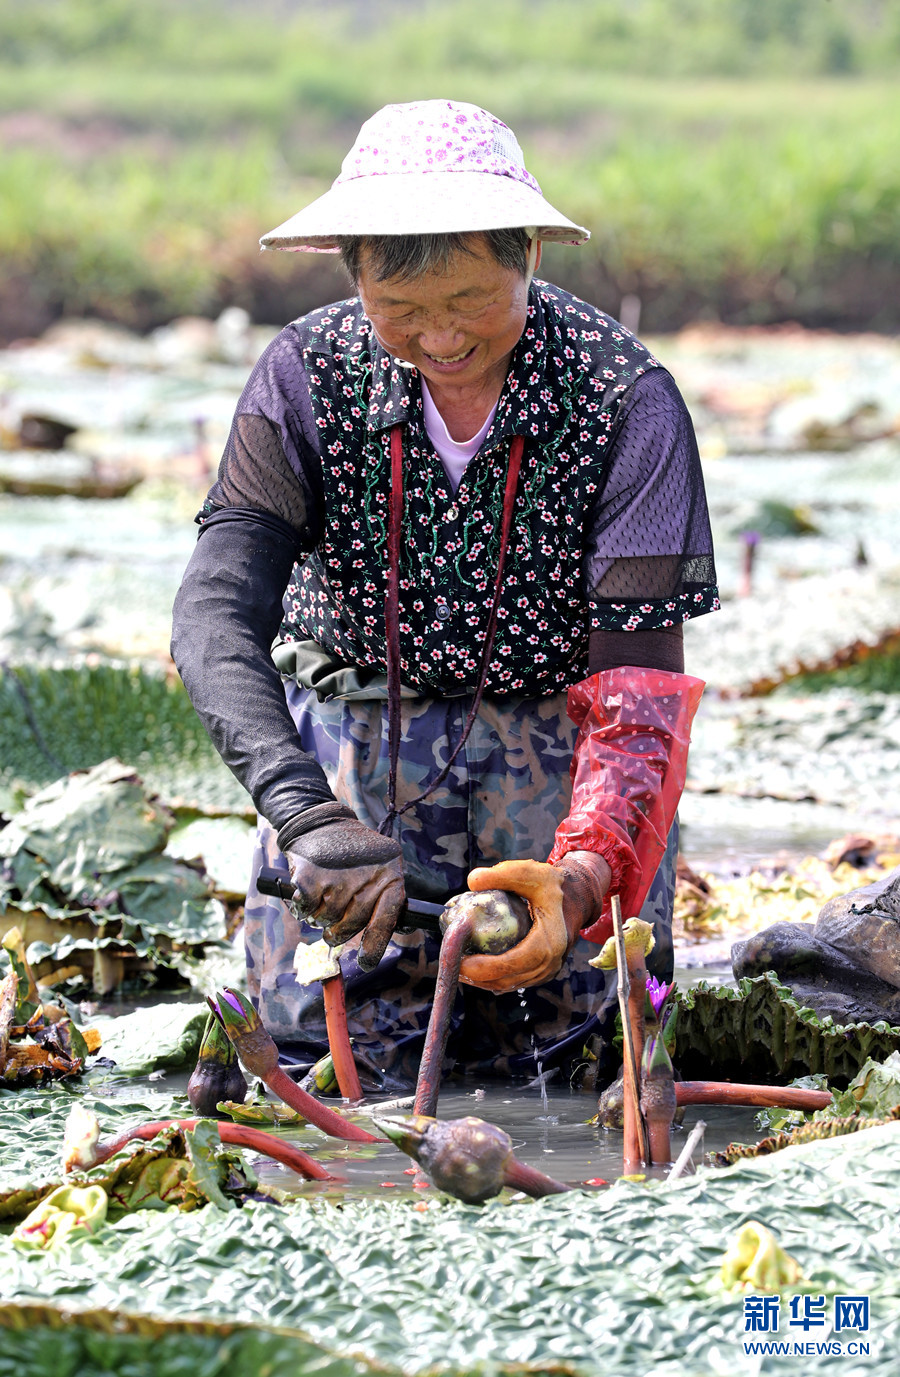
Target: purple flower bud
[[235, 1003], [657, 992]]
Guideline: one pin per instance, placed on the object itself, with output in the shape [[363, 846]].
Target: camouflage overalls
[[505, 794]]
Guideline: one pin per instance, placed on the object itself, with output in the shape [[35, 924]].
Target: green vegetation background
[[733, 158]]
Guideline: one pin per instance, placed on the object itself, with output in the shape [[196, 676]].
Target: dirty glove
[[349, 879], [562, 900], [541, 952], [628, 771], [586, 881]]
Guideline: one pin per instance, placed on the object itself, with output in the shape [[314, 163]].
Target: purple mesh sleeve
[[271, 461], [649, 560]]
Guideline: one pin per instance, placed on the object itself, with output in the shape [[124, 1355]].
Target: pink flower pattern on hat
[[429, 167], [435, 135]]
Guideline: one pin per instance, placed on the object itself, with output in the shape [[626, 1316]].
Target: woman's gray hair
[[409, 256]]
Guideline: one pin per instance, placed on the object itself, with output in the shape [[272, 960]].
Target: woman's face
[[458, 328]]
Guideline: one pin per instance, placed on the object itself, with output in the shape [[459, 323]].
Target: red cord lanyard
[[392, 620]]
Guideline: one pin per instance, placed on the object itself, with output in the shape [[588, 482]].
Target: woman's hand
[[349, 880], [563, 899], [540, 954]]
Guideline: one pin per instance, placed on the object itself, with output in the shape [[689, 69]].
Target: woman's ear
[[534, 258]]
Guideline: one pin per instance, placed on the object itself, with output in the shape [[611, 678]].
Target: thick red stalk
[[280, 1083], [767, 1096], [660, 1136], [239, 1135], [520, 1177], [428, 1085], [634, 1148], [339, 1038]]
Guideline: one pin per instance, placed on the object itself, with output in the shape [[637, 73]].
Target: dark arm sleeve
[[649, 557], [663, 649], [226, 614], [261, 516], [272, 460]]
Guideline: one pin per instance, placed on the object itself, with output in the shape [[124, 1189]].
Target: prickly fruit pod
[[464, 1157], [499, 920], [217, 1076]]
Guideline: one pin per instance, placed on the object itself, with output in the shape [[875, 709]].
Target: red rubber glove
[[628, 772]]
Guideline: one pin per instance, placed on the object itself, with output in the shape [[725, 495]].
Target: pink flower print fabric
[[447, 137], [610, 530]]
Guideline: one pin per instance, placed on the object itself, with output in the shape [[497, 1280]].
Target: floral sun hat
[[430, 167]]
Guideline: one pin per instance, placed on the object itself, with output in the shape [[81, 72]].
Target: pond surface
[[547, 1120], [552, 1134], [554, 1137]]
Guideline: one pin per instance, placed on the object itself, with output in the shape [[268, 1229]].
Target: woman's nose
[[442, 339]]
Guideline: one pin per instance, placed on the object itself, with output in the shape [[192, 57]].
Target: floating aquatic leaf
[[154, 1037], [872, 1094], [225, 846], [86, 853], [778, 1119], [759, 1030], [588, 1265], [813, 1131], [258, 1112]]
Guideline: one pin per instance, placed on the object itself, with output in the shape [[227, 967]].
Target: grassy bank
[[734, 161]]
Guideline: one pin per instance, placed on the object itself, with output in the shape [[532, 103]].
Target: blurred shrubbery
[[732, 159]]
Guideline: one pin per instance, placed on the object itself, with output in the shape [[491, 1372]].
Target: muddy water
[[547, 1120], [549, 1125], [554, 1136]]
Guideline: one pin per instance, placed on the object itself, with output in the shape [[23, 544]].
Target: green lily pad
[[152, 1038], [225, 846]]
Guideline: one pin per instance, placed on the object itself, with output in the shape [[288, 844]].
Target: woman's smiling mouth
[[449, 358]]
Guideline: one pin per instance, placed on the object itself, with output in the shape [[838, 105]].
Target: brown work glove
[[562, 898], [349, 880]]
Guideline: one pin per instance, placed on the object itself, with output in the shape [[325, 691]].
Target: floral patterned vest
[[568, 374]]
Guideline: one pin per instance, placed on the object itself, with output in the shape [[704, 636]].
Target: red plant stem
[[339, 1038], [637, 977], [237, 1134], [639, 1147], [768, 1096], [280, 1083], [521, 1177], [660, 1136], [428, 1084]]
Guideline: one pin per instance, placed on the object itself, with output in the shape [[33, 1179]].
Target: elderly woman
[[468, 509]]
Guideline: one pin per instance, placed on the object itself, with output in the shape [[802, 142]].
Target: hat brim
[[421, 203]]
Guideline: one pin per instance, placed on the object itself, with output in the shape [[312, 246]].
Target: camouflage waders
[[502, 800]]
